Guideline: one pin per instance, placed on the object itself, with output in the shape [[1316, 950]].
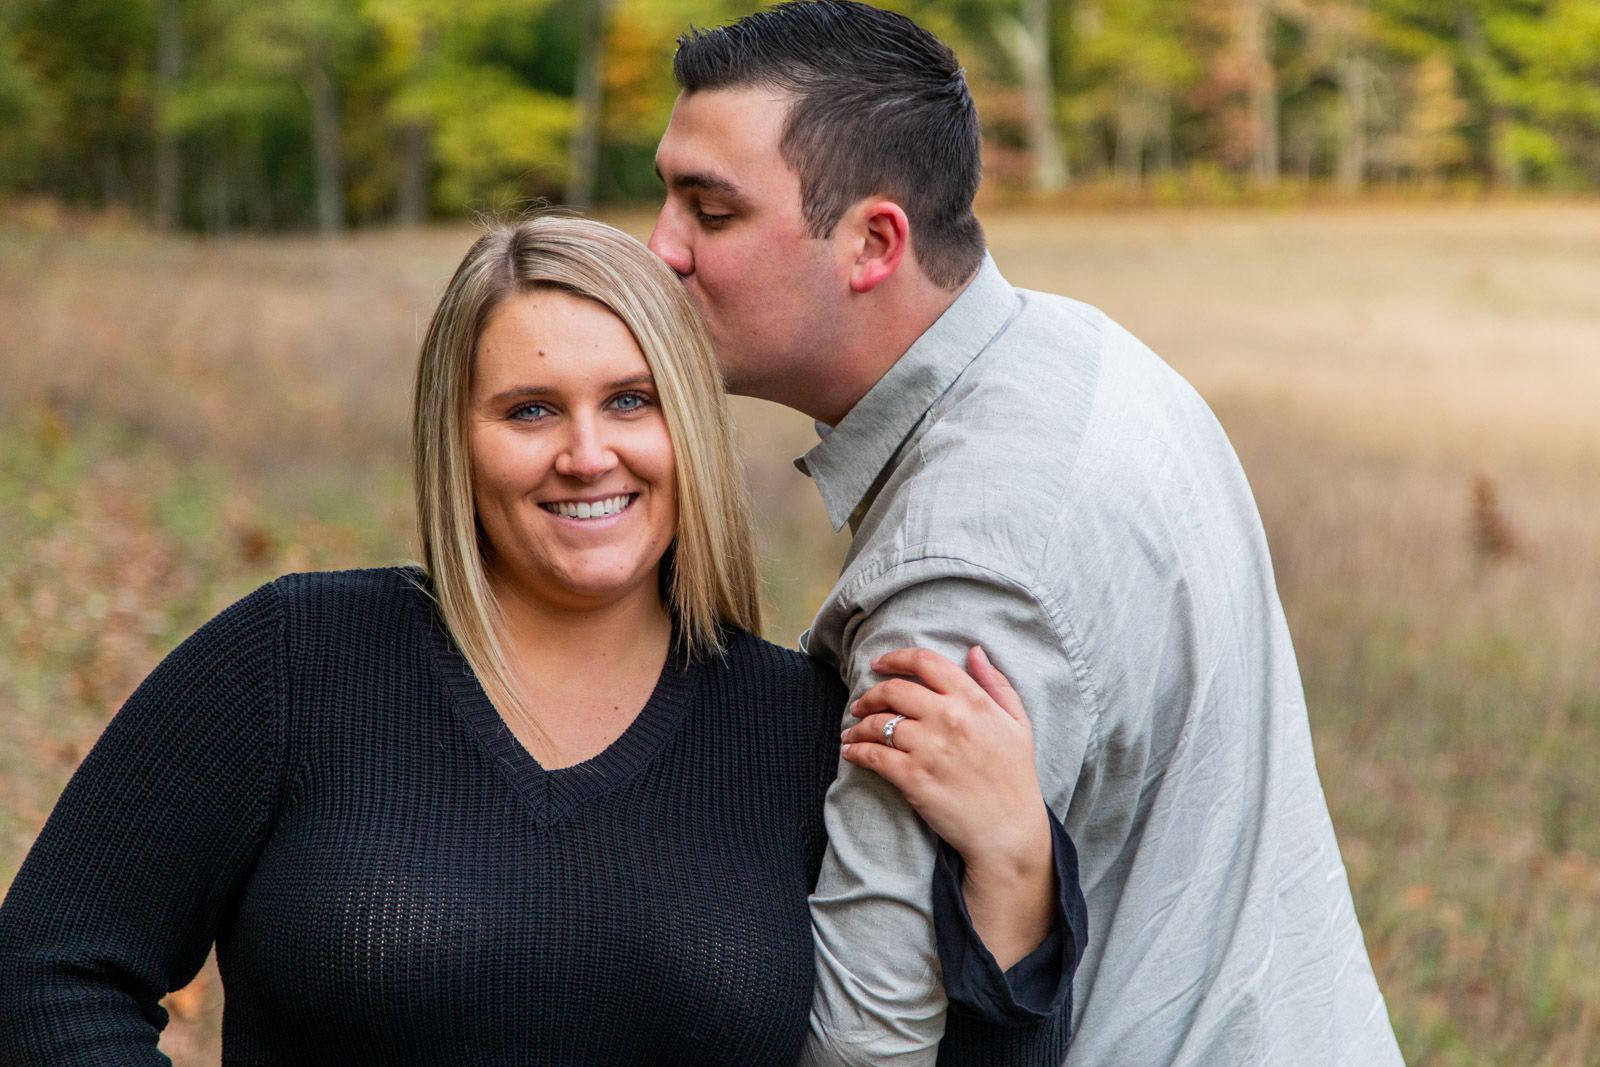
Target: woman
[[546, 799]]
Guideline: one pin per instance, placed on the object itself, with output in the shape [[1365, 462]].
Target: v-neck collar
[[553, 793]]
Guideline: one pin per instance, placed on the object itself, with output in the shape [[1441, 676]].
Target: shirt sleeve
[[119, 899], [880, 998]]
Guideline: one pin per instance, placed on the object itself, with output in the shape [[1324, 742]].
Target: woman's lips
[[603, 508]]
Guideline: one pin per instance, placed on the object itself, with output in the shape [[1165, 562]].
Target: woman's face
[[572, 464]]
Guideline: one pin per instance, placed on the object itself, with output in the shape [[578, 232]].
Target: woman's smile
[[592, 509]]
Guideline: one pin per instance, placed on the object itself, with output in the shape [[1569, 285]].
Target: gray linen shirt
[[1030, 477]]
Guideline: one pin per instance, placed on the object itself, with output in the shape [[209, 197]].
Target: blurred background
[[1365, 229], [270, 115]]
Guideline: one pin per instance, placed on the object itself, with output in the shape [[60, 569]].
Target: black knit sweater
[[316, 782]]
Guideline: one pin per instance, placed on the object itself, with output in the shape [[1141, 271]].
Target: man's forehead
[[740, 124], [726, 143]]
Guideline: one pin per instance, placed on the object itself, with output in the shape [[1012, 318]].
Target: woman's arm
[[120, 897]]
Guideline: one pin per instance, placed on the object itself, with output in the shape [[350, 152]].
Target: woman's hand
[[961, 751]]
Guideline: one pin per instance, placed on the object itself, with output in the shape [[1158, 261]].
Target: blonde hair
[[709, 572]]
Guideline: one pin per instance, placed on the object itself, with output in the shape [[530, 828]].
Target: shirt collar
[[846, 463]]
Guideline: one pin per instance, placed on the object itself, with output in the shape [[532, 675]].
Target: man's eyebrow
[[517, 391], [711, 183]]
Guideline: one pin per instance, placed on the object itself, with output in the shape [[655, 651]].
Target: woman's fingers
[[930, 684], [870, 730], [895, 766], [926, 666], [899, 696], [997, 685]]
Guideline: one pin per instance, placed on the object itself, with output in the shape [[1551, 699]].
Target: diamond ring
[[888, 730]]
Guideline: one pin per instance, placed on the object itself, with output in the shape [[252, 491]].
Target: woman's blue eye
[[629, 402], [529, 412]]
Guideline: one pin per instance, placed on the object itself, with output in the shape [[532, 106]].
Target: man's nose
[[586, 454], [666, 241]]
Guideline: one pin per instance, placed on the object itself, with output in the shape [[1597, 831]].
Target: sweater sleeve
[[120, 898], [1023, 1015]]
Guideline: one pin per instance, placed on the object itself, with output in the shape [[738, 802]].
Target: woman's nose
[[586, 454]]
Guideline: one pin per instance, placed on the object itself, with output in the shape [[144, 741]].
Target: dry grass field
[[1412, 392]]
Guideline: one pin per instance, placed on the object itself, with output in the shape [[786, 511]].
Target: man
[[1018, 471]]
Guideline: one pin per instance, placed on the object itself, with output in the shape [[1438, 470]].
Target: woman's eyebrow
[[546, 390]]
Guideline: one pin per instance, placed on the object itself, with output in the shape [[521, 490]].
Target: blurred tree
[[1254, 27], [1347, 27], [1552, 79], [1135, 54], [1488, 75], [638, 89], [478, 99], [409, 32], [289, 113], [1434, 120], [588, 99], [90, 62], [1324, 86], [22, 116], [1028, 40], [311, 39], [260, 75], [169, 69]]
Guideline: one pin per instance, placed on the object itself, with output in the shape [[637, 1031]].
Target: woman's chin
[[590, 588]]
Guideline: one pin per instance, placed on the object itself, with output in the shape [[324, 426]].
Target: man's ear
[[885, 236]]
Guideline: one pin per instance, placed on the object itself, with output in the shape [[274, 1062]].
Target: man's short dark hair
[[881, 108]]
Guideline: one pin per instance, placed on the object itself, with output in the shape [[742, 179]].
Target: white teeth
[[600, 509]]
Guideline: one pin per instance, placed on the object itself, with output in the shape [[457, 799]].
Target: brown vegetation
[[1492, 533], [1410, 391]]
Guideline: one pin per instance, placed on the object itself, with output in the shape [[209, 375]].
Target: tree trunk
[[587, 94], [1351, 168], [1255, 26], [169, 68], [112, 175], [1129, 152], [1503, 171], [416, 146], [253, 177], [1028, 41], [411, 208], [1049, 166], [218, 196], [325, 137], [1162, 149]]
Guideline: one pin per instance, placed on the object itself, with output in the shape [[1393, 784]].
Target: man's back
[[1059, 495]]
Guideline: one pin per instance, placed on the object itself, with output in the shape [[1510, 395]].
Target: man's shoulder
[[1065, 417], [1057, 364]]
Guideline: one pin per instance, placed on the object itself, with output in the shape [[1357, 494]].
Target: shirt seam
[[1054, 613]]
